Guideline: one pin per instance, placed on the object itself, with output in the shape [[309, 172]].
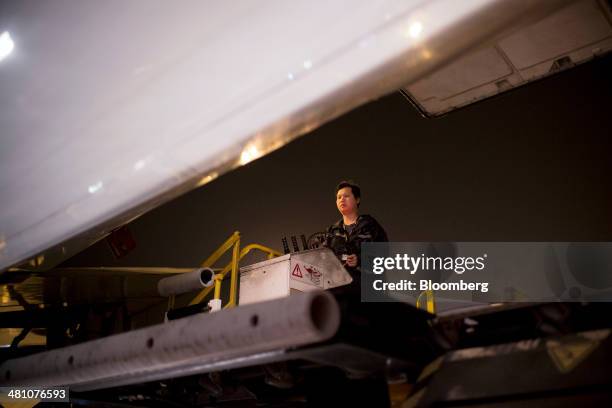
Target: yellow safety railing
[[430, 304], [233, 243]]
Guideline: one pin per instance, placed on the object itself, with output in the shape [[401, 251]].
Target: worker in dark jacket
[[345, 236]]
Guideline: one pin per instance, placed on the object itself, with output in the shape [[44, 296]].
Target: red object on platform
[[121, 242]]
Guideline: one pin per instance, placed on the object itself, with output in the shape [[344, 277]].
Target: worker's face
[[346, 202]]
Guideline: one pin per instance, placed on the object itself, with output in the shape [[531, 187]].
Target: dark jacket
[[341, 241]]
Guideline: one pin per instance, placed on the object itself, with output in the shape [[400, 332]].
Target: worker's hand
[[351, 260]]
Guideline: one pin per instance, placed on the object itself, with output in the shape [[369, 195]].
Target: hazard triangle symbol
[[296, 271], [567, 356]]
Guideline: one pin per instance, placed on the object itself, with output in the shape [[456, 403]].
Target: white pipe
[[186, 282], [173, 349]]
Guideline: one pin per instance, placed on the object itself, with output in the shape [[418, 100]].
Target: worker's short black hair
[[353, 186]]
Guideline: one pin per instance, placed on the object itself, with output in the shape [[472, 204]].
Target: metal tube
[[181, 346], [186, 282]]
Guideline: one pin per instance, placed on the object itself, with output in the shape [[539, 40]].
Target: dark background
[[533, 164]]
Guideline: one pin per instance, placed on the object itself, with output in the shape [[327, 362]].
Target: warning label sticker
[[569, 354], [297, 271], [307, 273]]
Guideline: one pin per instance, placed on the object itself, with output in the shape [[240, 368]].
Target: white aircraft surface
[[108, 109]]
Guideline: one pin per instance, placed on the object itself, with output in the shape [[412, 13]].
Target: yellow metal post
[[429, 301], [271, 252], [234, 276], [431, 305], [218, 279]]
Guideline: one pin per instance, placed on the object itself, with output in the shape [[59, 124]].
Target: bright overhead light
[[415, 29], [6, 45]]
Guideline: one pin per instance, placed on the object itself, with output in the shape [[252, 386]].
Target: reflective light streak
[[6, 45], [249, 154], [95, 187]]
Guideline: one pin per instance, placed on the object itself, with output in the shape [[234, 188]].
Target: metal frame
[[233, 243]]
